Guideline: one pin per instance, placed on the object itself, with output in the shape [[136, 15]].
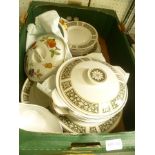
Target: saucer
[[73, 126], [95, 49], [81, 36]]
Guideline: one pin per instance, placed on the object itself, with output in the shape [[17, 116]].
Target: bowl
[[36, 118]]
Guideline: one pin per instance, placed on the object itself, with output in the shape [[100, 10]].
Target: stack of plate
[[82, 37]]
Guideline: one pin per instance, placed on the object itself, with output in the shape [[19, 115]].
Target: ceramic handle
[[123, 75], [60, 111], [96, 75]]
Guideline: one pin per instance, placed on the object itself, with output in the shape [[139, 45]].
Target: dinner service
[[84, 92], [105, 83]]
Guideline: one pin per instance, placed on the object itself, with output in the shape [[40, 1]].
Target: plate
[[73, 126], [31, 94], [95, 49], [81, 36]]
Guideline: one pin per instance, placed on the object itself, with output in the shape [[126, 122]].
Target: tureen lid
[[91, 86], [43, 57]]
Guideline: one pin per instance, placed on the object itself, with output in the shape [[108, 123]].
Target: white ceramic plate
[[95, 49], [73, 126], [81, 35], [31, 94]]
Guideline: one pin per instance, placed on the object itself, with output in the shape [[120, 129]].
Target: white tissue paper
[[45, 23]]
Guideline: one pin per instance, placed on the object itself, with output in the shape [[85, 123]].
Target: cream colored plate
[[31, 94], [95, 49], [81, 35], [77, 127]]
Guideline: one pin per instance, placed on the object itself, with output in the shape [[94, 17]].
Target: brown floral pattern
[[74, 127], [119, 97], [81, 103], [93, 130], [48, 65], [65, 74], [108, 124], [28, 87], [97, 75], [33, 73], [66, 85]]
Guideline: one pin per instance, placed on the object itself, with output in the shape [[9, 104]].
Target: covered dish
[[91, 87], [44, 56]]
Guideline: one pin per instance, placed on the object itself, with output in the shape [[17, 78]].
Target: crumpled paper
[[46, 23]]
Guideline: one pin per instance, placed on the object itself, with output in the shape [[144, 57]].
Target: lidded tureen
[[91, 87]]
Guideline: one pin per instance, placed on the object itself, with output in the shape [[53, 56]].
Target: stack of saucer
[[82, 37]]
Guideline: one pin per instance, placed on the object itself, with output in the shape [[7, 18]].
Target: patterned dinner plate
[[81, 35], [74, 126], [31, 94]]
